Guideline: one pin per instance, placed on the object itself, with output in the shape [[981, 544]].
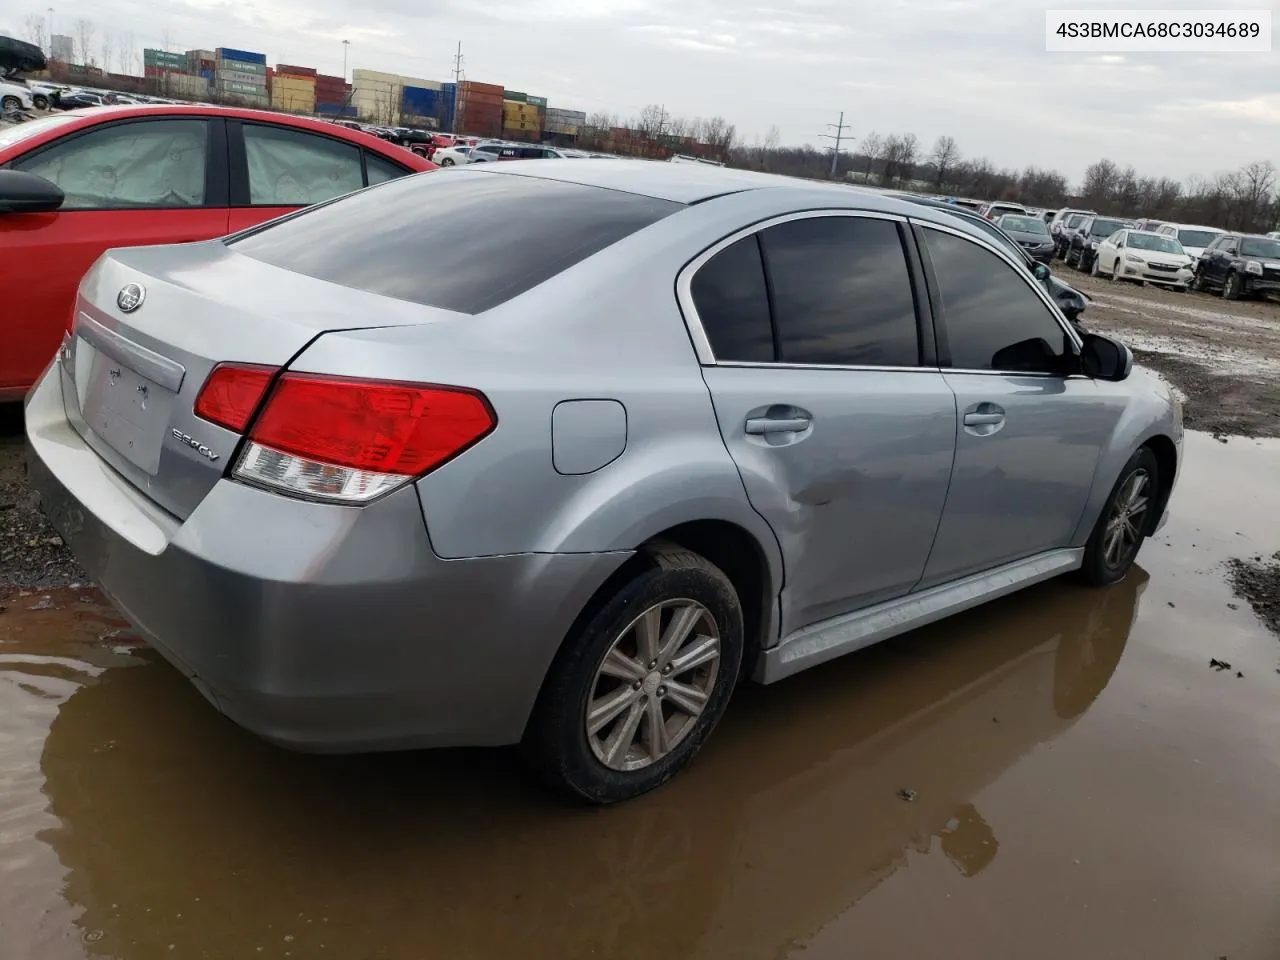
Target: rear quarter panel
[[1147, 412]]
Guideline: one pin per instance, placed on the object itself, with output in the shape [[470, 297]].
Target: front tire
[[1115, 271], [633, 695], [10, 103], [1197, 282], [446, 161], [1124, 523], [1096, 269], [1231, 287]]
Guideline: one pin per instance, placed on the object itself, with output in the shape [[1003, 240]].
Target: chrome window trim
[[693, 322], [1021, 271]]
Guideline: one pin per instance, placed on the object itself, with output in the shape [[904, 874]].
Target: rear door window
[[401, 240], [841, 292], [732, 300], [291, 167]]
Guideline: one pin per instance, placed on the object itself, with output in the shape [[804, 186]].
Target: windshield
[[1105, 228], [1196, 238], [1149, 241], [9, 135], [1260, 247], [1024, 225]]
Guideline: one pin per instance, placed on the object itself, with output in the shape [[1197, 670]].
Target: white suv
[[1193, 238]]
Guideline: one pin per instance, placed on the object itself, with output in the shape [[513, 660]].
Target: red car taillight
[[349, 441], [232, 393]]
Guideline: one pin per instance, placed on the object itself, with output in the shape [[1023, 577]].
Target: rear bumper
[[318, 627]]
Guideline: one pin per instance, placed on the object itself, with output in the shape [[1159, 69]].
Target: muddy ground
[[1063, 773]]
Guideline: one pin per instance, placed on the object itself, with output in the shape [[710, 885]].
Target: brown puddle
[[1080, 784]]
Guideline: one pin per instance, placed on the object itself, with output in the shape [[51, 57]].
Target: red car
[[139, 175]]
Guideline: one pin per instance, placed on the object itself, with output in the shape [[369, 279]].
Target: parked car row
[[1179, 256]]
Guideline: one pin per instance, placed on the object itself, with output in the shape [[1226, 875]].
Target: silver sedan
[[642, 432]]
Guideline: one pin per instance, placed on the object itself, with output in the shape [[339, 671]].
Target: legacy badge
[[194, 444]]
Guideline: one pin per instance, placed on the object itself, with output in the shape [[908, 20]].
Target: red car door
[[127, 183], [276, 170]]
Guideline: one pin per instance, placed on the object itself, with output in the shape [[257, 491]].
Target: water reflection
[[175, 828]]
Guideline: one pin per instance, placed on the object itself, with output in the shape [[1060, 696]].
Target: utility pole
[[346, 45], [457, 82], [839, 128]]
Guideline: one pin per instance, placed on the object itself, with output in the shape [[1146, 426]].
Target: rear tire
[[41, 102], [1124, 522], [1096, 269], [622, 758]]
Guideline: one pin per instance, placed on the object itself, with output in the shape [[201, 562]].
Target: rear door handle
[[978, 419], [758, 426]]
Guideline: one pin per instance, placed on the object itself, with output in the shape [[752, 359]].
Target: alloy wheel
[[1128, 514], [652, 684]]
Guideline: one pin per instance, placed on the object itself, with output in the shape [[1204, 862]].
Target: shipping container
[[539, 101], [237, 76], [514, 95], [335, 110], [286, 69], [242, 66], [244, 56], [558, 126], [421, 102], [238, 88]]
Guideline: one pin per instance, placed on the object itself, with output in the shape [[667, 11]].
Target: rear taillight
[[232, 393], [349, 441]]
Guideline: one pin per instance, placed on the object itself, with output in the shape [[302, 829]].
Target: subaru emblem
[[130, 297]]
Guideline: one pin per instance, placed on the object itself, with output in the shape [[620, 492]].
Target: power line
[[839, 128]]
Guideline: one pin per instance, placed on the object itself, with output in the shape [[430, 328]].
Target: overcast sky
[[975, 69]]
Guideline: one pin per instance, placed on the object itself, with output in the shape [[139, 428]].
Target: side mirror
[[1104, 358], [26, 193], [1040, 272]]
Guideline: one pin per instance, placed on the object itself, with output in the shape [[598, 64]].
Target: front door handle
[[759, 426], [979, 419]]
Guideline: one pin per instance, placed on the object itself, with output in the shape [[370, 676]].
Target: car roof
[[1192, 226], [91, 116], [678, 182]]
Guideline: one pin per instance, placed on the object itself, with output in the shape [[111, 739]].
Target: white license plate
[[126, 410]]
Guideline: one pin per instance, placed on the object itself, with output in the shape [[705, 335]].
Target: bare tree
[[945, 156], [83, 39], [128, 53], [34, 28], [653, 119], [872, 148], [108, 49], [1100, 181], [908, 148]]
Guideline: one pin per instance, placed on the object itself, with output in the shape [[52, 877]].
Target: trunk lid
[[131, 378]]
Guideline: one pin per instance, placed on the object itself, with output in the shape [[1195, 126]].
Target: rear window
[[401, 239]]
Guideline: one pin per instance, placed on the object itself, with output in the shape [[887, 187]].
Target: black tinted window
[[841, 292], [401, 239], [733, 304], [993, 318]]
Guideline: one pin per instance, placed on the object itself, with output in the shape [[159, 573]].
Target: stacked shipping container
[[420, 107], [520, 119], [332, 95], [480, 109], [567, 123], [293, 93], [242, 75]]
